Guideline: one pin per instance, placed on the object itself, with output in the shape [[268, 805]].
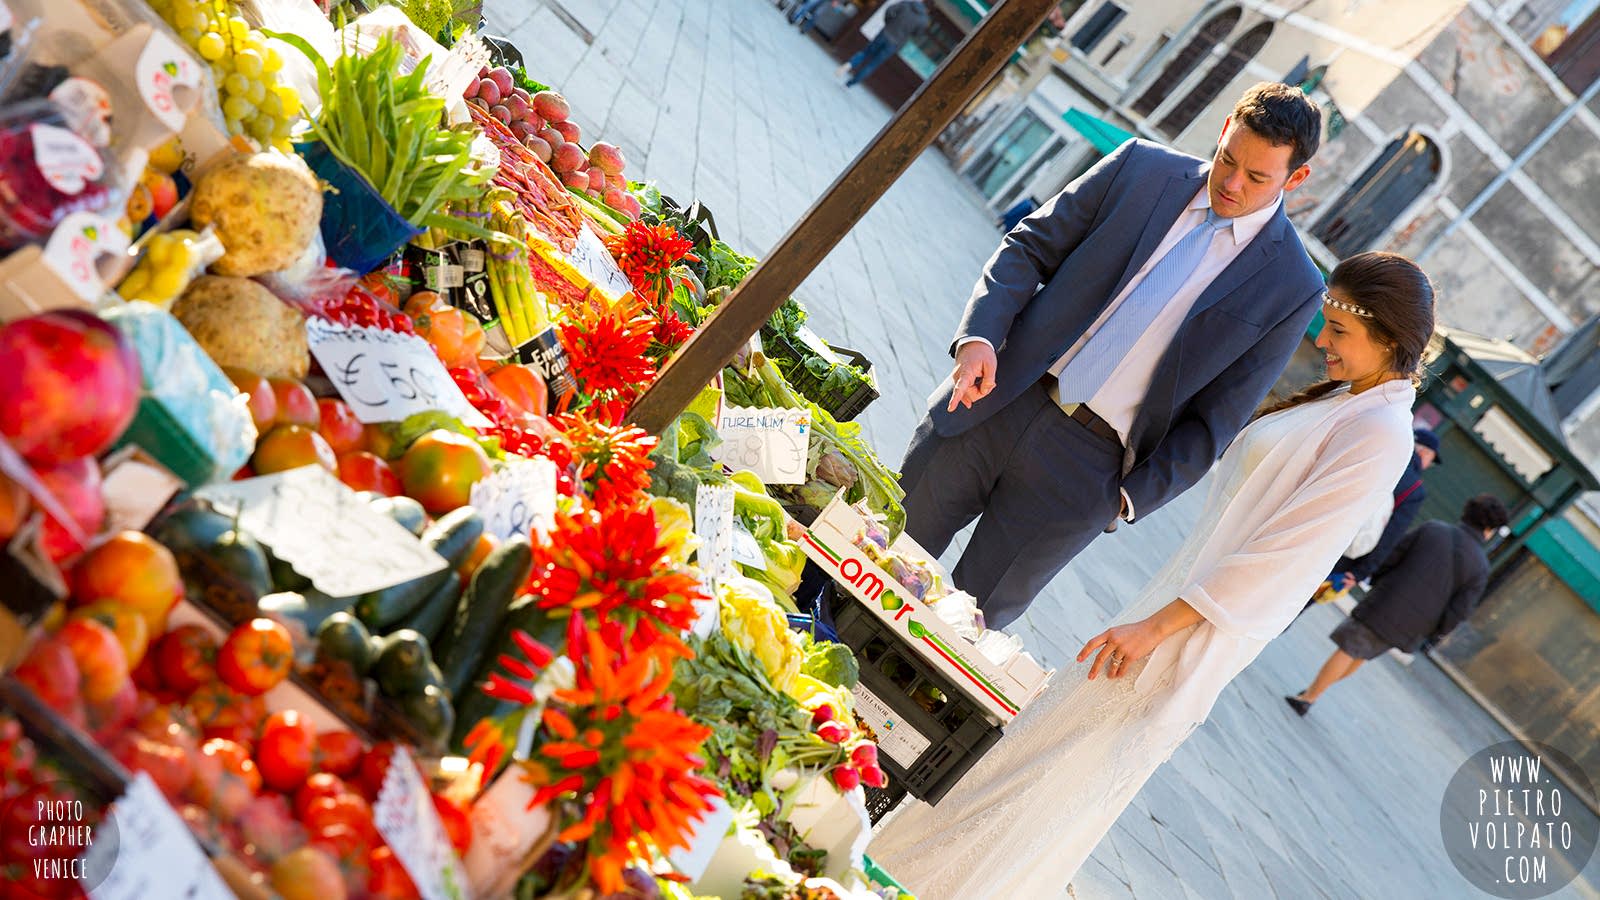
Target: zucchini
[[482, 612], [308, 608], [408, 512], [435, 611], [342, 636], [474, 705], [402, 664], [452, 537]]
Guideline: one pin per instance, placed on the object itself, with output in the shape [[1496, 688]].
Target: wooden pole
[[963, 73]]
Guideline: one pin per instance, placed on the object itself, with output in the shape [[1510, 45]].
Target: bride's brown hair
[[1400, 297]]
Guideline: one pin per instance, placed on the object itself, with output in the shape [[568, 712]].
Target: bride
[[1287, 497]]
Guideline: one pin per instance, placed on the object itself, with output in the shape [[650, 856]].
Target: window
[[1566, 33], [1187, 59], [924, 52], [1009, 153], [1389, 185], [1099, 25], [1224, 71], [1122, 44]]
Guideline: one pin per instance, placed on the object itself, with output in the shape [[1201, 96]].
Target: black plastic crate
[[959, 731], [881, 800], [842, 405]]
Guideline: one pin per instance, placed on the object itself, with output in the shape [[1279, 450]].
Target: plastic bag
[[169, 262], [48, 171], [192, 392]]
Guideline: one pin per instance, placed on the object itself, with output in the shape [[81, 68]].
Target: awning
[[1105, 136]]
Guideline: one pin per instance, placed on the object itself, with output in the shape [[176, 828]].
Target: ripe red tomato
[[284, 752], [225, 779], [296, 404], [346, 844], [52, 673], [374, 768], [387, 878], [341, 809], [186, 658], [456, 824], [256, 657], [363, 471], [102, 663], [338, 752], [223, 712], [322, 784], [339, 426]]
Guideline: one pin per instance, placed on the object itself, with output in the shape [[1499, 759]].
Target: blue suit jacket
[[1061, 266]]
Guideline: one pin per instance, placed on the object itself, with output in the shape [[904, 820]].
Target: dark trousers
[[869, 58], [1043, 484]]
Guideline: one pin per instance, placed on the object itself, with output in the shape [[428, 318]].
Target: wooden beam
[[963, 73]]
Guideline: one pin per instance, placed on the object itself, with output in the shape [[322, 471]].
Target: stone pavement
[[717, 99]]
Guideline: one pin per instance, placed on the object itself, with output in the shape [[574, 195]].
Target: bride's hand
[[1118, 647]]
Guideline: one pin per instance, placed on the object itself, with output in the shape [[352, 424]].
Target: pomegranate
[[69, 388]]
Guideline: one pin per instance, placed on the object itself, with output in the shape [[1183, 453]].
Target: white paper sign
[[518, 497], [771, 442], [708, 834], [713, 524], [747, 550], [592, 260], [155, 855], [405, 816], [385, 375], [76, 247], [319, 526]]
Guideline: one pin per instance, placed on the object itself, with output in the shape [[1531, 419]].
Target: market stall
[[338, 568]]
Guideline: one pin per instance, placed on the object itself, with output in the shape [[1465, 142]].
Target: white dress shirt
[[1118, 400]]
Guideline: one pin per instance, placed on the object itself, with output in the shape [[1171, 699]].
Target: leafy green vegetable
[[832, 663]]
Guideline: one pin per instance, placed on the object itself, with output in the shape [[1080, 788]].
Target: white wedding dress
[[1285, 500]]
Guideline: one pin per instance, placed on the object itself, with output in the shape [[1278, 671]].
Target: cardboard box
[[830, 543]]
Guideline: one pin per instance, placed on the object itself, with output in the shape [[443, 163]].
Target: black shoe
[[1301, 707]]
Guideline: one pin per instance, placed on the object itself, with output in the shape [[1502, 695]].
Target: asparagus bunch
[[520, 306]]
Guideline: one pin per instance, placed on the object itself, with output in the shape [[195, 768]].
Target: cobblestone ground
[[718, 99]]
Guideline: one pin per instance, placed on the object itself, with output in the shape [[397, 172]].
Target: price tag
[[384, 375], [154, 854], [319, 526], [405, 816], [747, 550], [713, 523], [592, 260], [77, 245], [65, 160], [707, 836], [772, 443], [518, 497], [164, 67]]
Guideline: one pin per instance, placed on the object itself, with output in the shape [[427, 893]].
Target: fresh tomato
[[52, 673], [113, 715], [256, 657], [339, 426], [267, 825], [223, 712], [456, 824], [364, 471], [225, 779], [102, 663], [387, 879], [167, 764], [341, 809], [347, 844], [186, 658], [295, 402], [338, 752], [521, 387], [316, 787], [284, 752], [374, 767], [440, 468], [308, 874]]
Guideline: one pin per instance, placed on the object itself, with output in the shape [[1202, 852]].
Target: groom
[[1115, 343]]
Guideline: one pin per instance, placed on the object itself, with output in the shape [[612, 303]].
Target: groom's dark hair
[[1285, 116]]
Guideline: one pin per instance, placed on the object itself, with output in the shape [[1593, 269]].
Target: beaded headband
[[1350, 308]]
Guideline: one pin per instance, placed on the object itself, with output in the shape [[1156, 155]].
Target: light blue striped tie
[[1098, 358]]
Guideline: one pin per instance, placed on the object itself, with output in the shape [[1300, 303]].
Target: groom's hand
[[974, 374]]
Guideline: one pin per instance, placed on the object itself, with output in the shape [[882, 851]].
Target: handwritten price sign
[[153, 853], [519, 497], [386, 376], [771, 442], [319, 526], [591, 258], [404, 814]]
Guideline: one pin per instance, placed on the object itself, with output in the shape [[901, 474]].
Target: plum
[[606, 157], [551, 106], [568, 157], [488, 92], [569, 130]]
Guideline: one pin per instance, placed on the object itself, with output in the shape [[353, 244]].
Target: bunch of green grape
[[255, 102]]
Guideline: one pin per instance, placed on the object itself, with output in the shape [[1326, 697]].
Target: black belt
[[1080, 412]]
